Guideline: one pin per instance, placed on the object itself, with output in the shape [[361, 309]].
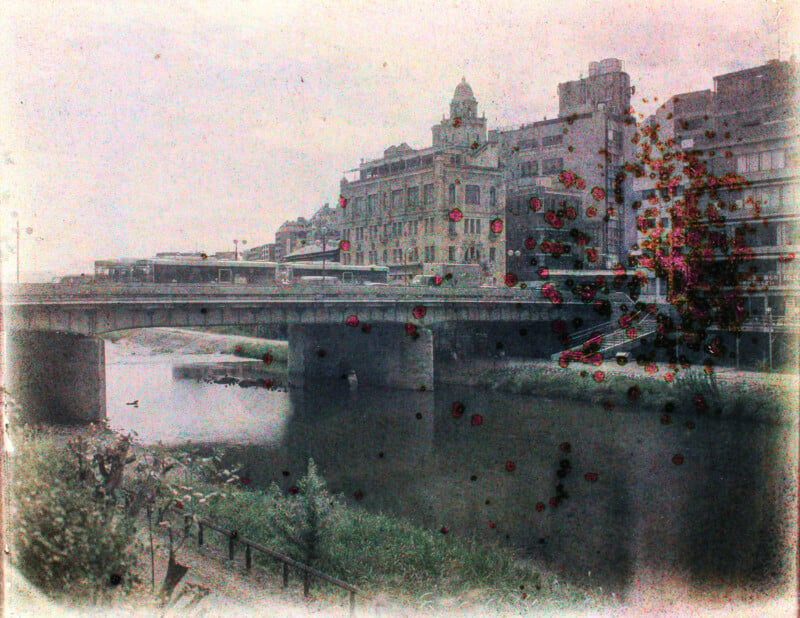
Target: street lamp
[[769, 334], [236, 248]]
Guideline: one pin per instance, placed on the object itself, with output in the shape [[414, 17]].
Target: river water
[[601, 497]]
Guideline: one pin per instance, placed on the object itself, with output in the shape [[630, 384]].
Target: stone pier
[[381, 354], [57, 377]]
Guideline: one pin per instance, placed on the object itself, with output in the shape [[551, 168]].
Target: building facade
[[421, 211], [564, 177]]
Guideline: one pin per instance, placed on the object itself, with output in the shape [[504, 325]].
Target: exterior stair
[[608, 337]]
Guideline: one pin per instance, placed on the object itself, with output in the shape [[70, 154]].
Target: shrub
[[69, 537]]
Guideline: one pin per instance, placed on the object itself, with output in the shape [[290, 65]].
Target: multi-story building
[[565, 187], [420, 210], [291, 235], [743, 136], [267, 252]]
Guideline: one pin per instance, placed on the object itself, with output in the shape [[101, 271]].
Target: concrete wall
[[57, 377], [384, 355]]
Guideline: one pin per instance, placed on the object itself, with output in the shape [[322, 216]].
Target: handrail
[[249, 544]]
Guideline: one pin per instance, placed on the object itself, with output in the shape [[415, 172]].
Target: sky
[[138, 127]]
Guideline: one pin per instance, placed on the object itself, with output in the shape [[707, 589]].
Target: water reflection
[[599, 496]]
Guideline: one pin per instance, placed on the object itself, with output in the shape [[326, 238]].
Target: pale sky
[[137, 127]]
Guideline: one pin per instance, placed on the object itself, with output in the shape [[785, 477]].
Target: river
[[599, 496]]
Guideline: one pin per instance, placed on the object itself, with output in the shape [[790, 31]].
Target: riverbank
[[722, 392], [186, 341]]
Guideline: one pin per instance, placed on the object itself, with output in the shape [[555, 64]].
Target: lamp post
[[769, 334], [236, 248]]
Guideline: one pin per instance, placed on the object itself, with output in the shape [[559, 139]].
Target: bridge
[[384, 333]]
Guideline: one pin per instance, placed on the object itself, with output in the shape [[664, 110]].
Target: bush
[[70, 538]]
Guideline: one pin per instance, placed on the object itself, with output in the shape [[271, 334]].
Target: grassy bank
[[82, 543], [744, 395]]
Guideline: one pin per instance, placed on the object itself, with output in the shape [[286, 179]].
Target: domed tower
[[463, 127], [464, 105]]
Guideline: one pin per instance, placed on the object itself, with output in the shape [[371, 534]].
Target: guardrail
[[250, 545]]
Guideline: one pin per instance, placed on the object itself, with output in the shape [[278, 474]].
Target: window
[[552, 166], [492, 196], [427, 194], [492, 254], [372, 201], [451, 193], [552, 140], [473, 194], [451, 254], [528, 144], [413, 196], [528, 168], [385, 257], [397, 198]]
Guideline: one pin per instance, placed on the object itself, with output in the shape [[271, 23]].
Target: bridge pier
[[384, 355], [57, 377]]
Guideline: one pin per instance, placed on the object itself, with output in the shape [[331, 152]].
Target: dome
[[463, 92]]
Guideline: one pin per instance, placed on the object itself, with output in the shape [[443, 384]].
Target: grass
[[690, 390]]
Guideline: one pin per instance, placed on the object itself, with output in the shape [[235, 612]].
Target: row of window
[[549, 167], [471, 255], [761, 161], [399, 229], [547, 140], [372, 204]]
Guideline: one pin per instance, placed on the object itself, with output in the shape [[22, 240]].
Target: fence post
[[248, 557], [306, 583], [199, 534], [285, 574]]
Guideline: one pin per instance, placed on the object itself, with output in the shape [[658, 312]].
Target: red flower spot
[[599, 376], [267, 358], [342, 201], [677, 459], [631, 333], [598, 193], [665, 419], [457, 410], [443, 530], [178, 504], [580, 184], [530, 243], [457, 121], [536, 204], [539, 507], [475, 420], [293, 490], [358, 495], [366, 328], [570, 212], [625, 321], [634, 392], [555, 501], [669, 377], [492, 524], [411, 329], [344, 245], [567, 178], [510, 280], [497, 226], [650, 368], [591, 211], [510, 466], [543, 272], [267, 384], [244, 480], [566, 447], [591, 477], [237, 349], [552, 218], [456, 215], [419, 312], [591, 255], [437, 280], [524, 595], [351, 321]]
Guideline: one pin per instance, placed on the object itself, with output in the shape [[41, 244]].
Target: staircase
[[608, 337]]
